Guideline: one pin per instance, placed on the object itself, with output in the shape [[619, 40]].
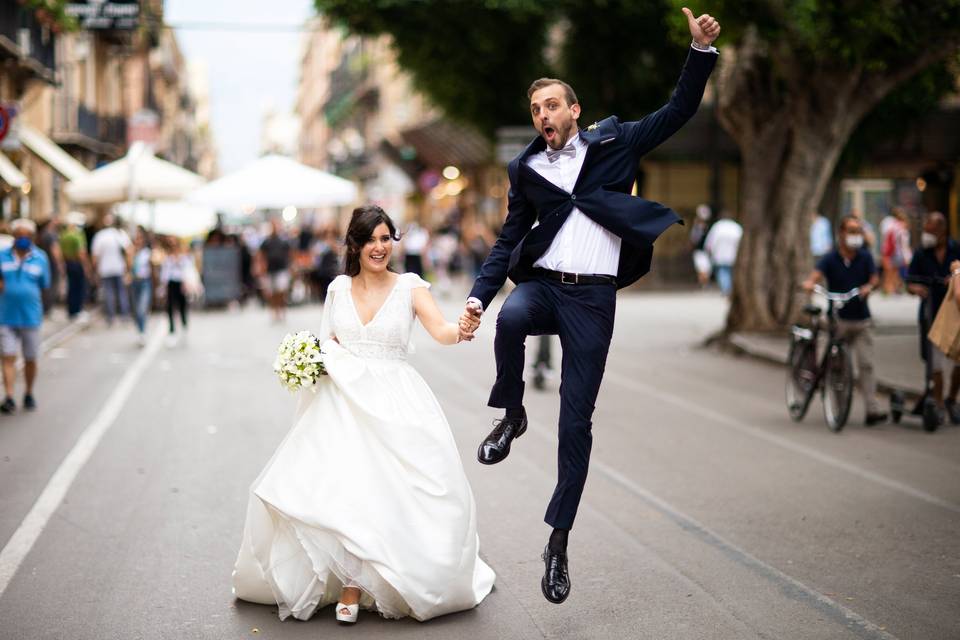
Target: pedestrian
[[142, 272], [26, 273], [76, 263], [275, 256], [928, 278], [895, 249], [415, 243], [111, 249], [48, 241], [593, 237], [175, 278], [721, 245], [326, 261], [821, 236], [698, 240], [869, 233], [851, 266]]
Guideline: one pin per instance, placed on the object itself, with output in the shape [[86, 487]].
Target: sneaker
[[8, 406], [953, 410], [141, 340], [29, 403]]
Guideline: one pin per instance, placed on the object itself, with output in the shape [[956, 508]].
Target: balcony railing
[[75, 123], [22, 36]]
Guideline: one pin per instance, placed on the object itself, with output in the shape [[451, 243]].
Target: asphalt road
[[708, 513]]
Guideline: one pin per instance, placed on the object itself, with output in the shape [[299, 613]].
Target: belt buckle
[[574, 278]]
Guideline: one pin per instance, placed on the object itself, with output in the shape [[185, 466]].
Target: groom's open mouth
[[549, 133]]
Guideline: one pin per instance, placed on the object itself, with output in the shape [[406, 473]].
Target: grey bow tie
[[554, 154]]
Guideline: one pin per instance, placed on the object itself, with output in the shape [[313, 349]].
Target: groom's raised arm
[[647, 133], [520, 218]]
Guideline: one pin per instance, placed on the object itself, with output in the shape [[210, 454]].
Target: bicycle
[[832, 374]]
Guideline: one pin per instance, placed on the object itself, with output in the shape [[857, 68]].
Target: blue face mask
[[23, 243]]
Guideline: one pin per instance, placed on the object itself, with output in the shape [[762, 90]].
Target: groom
[[574, 235]]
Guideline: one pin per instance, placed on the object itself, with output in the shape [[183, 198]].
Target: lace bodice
[[387, 335]]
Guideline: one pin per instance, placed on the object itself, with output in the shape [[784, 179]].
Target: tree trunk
[[781, 181]]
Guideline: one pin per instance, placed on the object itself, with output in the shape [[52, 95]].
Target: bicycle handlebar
[[841, 298]]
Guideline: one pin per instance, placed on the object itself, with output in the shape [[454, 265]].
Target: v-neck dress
[[367, 488]]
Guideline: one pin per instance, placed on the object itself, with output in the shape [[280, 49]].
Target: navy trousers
[[582, 315]]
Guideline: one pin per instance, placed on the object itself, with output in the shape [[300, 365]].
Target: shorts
[[701, 262], [277, 281], [13, 338]]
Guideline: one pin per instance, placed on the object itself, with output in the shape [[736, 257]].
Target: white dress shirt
[[581, 245]]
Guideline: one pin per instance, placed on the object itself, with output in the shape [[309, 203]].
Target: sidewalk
[[896, 344]]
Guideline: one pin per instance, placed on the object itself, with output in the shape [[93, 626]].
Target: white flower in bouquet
[[299, 362]]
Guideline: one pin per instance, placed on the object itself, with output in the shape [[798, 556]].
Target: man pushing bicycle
[[851, 266]]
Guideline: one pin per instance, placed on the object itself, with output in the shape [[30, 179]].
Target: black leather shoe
[[556, 576], [496, 446]]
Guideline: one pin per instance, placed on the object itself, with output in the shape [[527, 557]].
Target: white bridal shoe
[[353, 610]]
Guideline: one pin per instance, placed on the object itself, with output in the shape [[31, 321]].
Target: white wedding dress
[[367, 488]]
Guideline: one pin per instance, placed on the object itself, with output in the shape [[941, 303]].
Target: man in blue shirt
[[26, 272], [928, 278], [847, 267]]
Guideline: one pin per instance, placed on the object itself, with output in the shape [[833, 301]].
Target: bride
[[365, 503]]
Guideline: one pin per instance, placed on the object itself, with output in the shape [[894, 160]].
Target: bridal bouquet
[[299, 362]]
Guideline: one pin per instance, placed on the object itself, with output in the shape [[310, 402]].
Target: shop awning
[[10, 174], [441, 143], [51, 153]]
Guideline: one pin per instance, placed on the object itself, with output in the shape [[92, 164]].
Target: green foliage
[[466, 56], [879, 34], [619, 56], [475, 59], [56, 9], [908, 103]]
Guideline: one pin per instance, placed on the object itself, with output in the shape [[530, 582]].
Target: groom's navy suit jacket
[[537, 208]]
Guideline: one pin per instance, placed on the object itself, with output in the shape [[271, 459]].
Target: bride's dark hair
[[362, 223]]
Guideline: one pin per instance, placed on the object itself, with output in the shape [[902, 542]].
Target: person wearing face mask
[[850, 265], [26, 272], [928, 277]]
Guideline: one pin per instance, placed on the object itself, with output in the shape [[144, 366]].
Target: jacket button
[[573, 196]]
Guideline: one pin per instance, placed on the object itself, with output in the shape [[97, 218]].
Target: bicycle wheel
[[837, 387], [801, 377]]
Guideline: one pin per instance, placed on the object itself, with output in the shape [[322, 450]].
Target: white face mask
[[855, 241], [928, 240]]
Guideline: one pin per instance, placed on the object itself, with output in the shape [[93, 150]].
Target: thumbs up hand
[[703, 29]]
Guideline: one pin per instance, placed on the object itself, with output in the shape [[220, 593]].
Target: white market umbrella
[[139, 175], [174, 218], [275, 182]]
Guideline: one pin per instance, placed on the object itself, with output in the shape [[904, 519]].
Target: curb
[[743, 347]]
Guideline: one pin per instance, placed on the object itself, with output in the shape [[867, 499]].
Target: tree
[[797, 78]]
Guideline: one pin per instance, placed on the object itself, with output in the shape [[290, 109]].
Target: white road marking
[[686, 404], [26, 535]]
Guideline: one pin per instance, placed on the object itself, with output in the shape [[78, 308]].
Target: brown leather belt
[[575, 278]]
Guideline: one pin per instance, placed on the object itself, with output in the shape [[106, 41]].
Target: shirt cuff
[[476, 302], [710, 49]]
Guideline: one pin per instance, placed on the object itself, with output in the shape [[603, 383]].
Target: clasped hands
[[468, 322]]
